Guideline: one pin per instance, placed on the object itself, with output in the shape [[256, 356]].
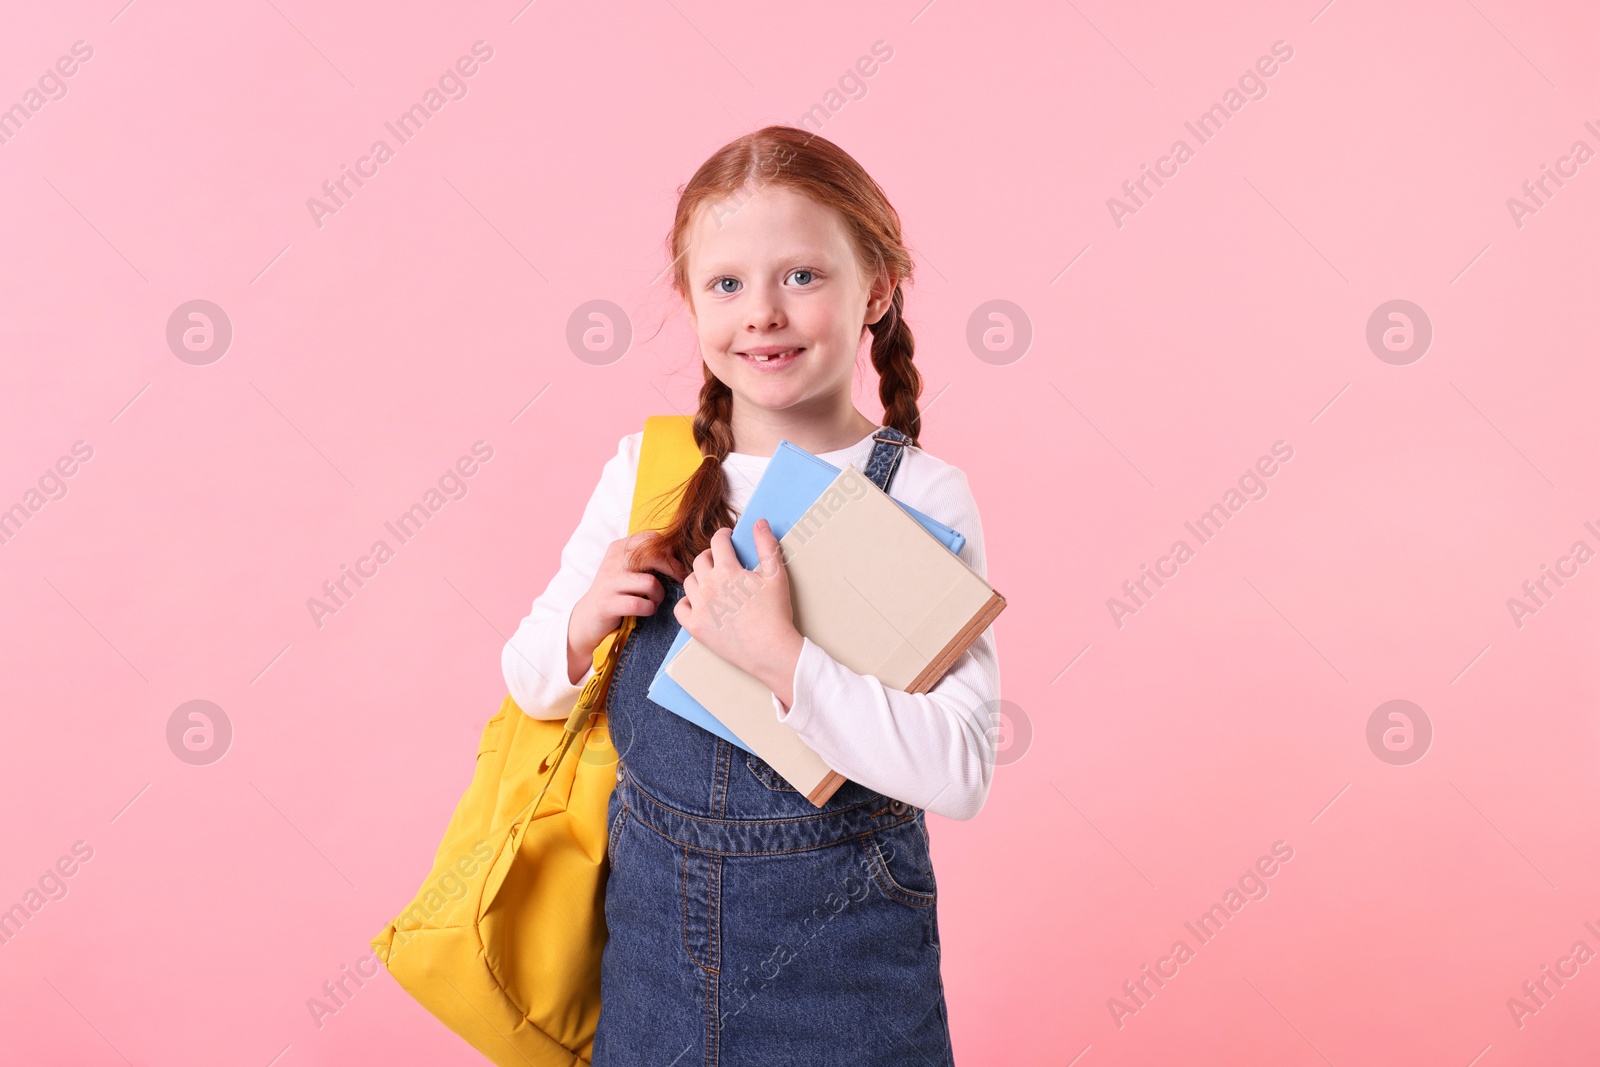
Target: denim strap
[[886, 455]]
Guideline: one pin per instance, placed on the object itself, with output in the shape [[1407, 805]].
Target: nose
[[765, 310]]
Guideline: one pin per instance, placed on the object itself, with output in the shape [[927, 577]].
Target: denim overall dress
[[746, 925]]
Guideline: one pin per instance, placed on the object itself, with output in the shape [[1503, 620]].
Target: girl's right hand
[[615, 592]]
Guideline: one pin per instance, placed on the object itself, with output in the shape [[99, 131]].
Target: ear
[[879, 297]]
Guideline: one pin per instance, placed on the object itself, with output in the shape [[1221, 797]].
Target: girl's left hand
[[743, 616]]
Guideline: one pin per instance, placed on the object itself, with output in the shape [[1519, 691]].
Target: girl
[[746, 925]]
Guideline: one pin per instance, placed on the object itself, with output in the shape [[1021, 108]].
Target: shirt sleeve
[[534, 660], [935, 750]]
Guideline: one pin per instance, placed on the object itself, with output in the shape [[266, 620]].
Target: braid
[[707, 492], [899, 382], [704, 508]]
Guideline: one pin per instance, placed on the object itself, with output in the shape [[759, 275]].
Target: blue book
[[790, 485]]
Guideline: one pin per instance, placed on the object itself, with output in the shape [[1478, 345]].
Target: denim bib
[[746, 925]]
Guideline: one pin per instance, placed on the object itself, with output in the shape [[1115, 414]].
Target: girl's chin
[[769, 396]]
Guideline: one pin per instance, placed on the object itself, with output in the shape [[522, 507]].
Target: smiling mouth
[[773, 362]]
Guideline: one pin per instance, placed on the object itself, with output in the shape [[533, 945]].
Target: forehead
[[769, 225]]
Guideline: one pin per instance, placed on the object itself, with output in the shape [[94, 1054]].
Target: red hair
[[818, 168]]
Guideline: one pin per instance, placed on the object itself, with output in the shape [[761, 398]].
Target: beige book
[[874, 590]]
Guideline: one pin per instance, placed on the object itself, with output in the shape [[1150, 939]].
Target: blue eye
[[716, 283]]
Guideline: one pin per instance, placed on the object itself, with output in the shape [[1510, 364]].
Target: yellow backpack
[[503, 941]]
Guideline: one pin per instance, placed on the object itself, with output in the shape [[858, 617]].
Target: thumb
[[771, 552]]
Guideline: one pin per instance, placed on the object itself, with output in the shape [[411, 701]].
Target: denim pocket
[[766, 775], [618, 818], [902, 863]]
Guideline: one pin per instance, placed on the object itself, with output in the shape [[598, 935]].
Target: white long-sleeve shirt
[[935, 750]]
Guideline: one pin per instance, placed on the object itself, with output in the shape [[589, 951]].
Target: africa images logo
[[451, 85]]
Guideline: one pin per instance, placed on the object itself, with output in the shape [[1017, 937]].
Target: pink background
[[1167, 754]]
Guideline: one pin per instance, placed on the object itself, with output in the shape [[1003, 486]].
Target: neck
[[758, 432]]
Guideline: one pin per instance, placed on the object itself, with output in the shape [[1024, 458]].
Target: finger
[[632, 605], [722, 553], [659, 558], [663, 561], [640, 583], [768, 548]]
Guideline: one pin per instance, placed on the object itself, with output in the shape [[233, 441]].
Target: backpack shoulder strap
[[667, 459]]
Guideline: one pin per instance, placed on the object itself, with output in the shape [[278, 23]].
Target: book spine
[[936, 668], [826, 788]]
